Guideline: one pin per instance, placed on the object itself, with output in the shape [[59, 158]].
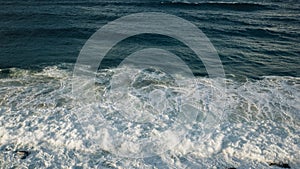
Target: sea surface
[[257, 111]]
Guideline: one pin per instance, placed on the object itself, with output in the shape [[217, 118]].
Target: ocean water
[[255, 118]]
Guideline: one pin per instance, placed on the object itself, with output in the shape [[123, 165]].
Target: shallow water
[[251, 121], [38, 114]]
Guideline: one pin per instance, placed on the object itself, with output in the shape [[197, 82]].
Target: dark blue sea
[[257, 111]]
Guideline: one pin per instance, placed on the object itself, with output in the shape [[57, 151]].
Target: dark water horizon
[[252, 38]]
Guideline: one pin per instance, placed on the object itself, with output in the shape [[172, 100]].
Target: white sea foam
[[261, 122]]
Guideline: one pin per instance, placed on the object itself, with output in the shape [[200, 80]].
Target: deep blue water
[[253, 38]]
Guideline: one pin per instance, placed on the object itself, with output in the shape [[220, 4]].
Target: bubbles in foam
[[37, 114]]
